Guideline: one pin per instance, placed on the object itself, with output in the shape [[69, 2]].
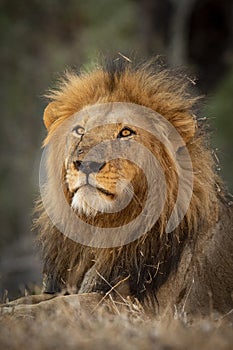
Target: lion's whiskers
[[134, 196]]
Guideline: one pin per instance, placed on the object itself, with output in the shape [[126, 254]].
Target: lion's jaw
[[89, 200]]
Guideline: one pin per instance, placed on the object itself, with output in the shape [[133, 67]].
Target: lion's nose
[[89, 167]]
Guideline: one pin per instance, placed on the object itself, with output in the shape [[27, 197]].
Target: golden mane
[[149, 262]]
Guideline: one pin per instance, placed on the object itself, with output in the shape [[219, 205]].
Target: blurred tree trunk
[[178, 43], [189, 32], [154, 23]]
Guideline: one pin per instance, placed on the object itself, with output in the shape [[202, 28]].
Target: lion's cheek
[[108, 181], [74, 179]]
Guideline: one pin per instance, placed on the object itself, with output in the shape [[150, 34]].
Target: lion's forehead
[[103, 114]]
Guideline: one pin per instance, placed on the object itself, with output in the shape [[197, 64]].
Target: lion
[[124, 143]]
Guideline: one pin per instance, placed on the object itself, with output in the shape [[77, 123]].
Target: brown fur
[[189, 268]]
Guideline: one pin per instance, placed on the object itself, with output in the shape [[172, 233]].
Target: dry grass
[[68, 323]]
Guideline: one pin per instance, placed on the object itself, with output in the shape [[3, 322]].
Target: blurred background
[[40, 39]]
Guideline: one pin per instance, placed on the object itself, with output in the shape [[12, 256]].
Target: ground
[[74, 323]]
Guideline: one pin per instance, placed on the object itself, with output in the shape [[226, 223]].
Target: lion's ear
[[50, 114]]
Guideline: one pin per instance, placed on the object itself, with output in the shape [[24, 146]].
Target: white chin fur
[[87, 201]]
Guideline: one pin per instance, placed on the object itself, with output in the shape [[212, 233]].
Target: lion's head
[[110, 155]]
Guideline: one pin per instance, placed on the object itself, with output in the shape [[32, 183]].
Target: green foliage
[[109, 27], [220, 108]]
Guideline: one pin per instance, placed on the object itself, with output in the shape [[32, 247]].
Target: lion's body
[[190, 268]]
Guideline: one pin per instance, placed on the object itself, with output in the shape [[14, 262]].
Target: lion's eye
[[126, 132], [79, 130]]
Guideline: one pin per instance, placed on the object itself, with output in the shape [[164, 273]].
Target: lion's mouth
[[104, 191], [90, 200], [98, 188]]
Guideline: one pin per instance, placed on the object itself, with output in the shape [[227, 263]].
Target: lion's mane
[[159, 269]]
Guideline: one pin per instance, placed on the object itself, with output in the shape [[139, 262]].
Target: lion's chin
[[89, 201]]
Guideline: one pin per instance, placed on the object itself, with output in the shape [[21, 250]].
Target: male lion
[[131, 204]]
